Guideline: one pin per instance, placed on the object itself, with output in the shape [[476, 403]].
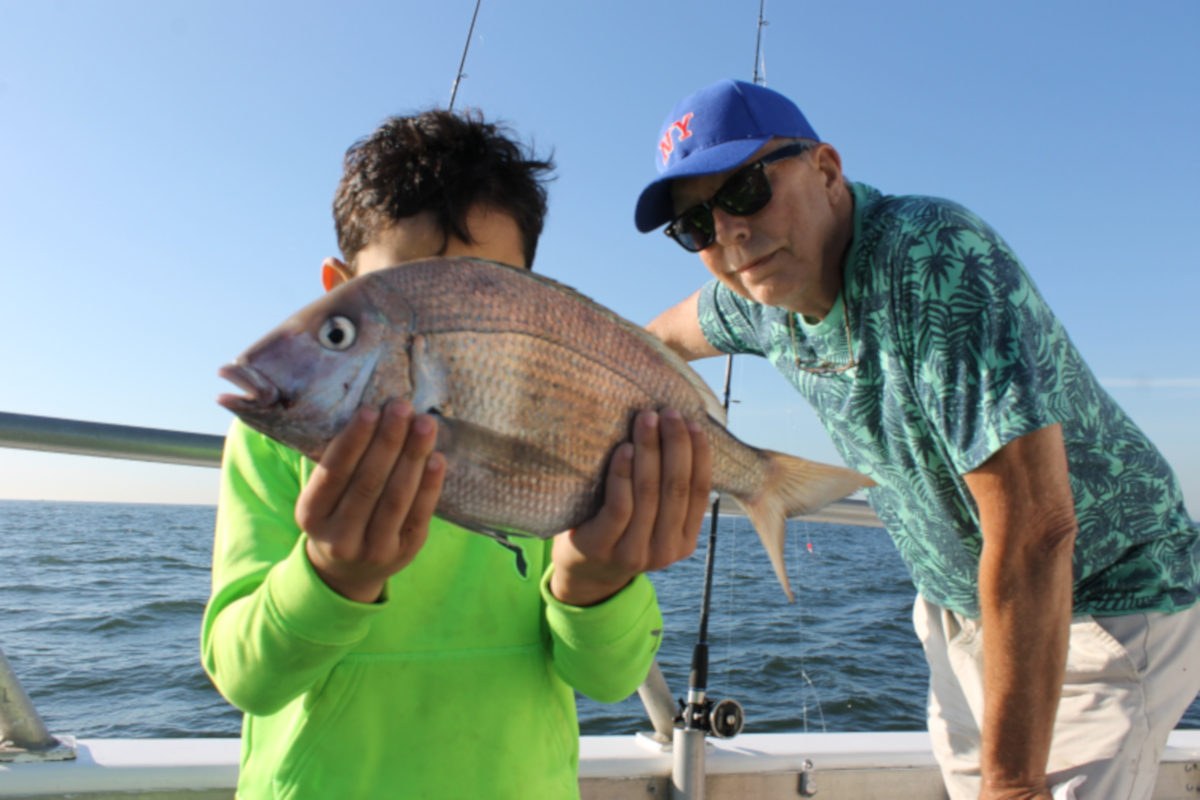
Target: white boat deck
[[862, 766]]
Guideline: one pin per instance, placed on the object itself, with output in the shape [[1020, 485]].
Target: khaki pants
[[1128, 681]]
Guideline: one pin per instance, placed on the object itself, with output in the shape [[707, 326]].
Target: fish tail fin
[[795, 486]]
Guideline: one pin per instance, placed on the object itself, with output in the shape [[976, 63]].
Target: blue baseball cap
[[711, 131]]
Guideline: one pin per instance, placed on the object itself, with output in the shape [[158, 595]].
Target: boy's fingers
[[335, 469], [647, 466], [415, 528], [701, 486], [618, 493], [675, 490], [374, 468], [401, 486], [597, 536]]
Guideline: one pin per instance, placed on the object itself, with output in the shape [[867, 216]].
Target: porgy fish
[[533, 385]]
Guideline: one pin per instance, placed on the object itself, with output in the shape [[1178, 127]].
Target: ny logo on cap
[[665, 144]]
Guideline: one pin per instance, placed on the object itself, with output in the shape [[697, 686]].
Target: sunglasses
[[746, 192]]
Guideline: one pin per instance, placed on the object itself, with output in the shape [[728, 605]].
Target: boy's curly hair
[[442, 162]]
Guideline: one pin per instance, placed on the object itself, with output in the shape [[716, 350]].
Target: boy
[[381, 652]]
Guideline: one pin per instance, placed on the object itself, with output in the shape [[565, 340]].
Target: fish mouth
[[260, 392]]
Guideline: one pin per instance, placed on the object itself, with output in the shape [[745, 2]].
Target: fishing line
[[800, 646], [737, 526], [760, 58]]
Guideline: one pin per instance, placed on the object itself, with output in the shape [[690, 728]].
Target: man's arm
[[1027, 514], [679, 327]]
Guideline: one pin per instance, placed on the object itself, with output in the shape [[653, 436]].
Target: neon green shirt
[[458, 683]]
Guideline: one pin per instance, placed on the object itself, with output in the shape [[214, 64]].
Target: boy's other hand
[[656, 494], [367, 507]]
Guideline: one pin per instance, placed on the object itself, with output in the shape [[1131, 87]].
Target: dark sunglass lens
[[745, 193], [695, 229], [676, 232]]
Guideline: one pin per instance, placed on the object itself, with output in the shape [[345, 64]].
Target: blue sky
[[166, 170]]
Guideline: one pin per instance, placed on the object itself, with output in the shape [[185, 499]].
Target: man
[[1057, 567], [379, 651]]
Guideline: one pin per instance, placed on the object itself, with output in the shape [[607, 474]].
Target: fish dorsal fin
[[711, 404]]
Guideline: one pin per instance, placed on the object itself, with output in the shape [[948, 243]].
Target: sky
[[166, 171]]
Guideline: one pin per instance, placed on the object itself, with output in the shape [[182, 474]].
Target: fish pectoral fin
[[469, 445], [499, 536], [427, 375]]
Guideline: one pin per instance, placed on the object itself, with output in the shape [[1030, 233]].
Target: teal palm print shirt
[[957, 355]]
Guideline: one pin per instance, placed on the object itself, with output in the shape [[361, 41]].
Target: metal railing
[[112, 441], [23, 735]]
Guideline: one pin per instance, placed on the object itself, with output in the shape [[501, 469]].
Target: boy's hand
[[655, 499], [367, 507]]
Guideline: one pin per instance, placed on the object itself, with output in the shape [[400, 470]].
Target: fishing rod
[[463, 62], [762, 23], [699, 716]]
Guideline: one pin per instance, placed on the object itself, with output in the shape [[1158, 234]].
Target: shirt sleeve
[[272, 628], [730, 323], [605, 650], [987, 351]]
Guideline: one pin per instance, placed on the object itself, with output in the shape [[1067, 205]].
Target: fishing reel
[[724, 719]]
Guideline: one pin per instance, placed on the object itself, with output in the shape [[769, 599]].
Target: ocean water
[[101, 607]]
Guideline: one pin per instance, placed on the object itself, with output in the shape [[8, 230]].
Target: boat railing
[[26, 432], [23, 735]]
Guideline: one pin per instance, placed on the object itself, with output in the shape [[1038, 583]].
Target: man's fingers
[[335, 469]]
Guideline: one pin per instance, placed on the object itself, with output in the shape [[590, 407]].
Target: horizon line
[[1152, 383]]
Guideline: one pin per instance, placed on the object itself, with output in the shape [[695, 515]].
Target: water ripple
[[102, 606]]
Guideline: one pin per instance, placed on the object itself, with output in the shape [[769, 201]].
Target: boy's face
[[495, 235]]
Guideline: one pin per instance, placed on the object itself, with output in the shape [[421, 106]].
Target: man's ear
[[829, 162], [334, 273]]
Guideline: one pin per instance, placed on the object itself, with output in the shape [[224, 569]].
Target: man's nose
[[728, 229]]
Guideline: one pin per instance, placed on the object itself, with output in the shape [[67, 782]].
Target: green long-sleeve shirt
[[458, 683]]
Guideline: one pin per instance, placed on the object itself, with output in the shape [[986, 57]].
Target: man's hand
[[367, 507], [656, 494]]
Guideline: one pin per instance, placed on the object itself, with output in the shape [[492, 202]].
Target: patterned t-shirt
[[958, 354]]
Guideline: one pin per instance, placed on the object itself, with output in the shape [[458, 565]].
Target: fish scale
[[534, 385]]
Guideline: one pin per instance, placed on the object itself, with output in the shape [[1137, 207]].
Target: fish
[[533, 386]]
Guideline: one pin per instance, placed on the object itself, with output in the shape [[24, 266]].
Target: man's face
[[786, 254]]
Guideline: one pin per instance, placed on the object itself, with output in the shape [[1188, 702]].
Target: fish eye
[[337, 333]]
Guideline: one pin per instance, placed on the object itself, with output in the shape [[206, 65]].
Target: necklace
[[820, 366]]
